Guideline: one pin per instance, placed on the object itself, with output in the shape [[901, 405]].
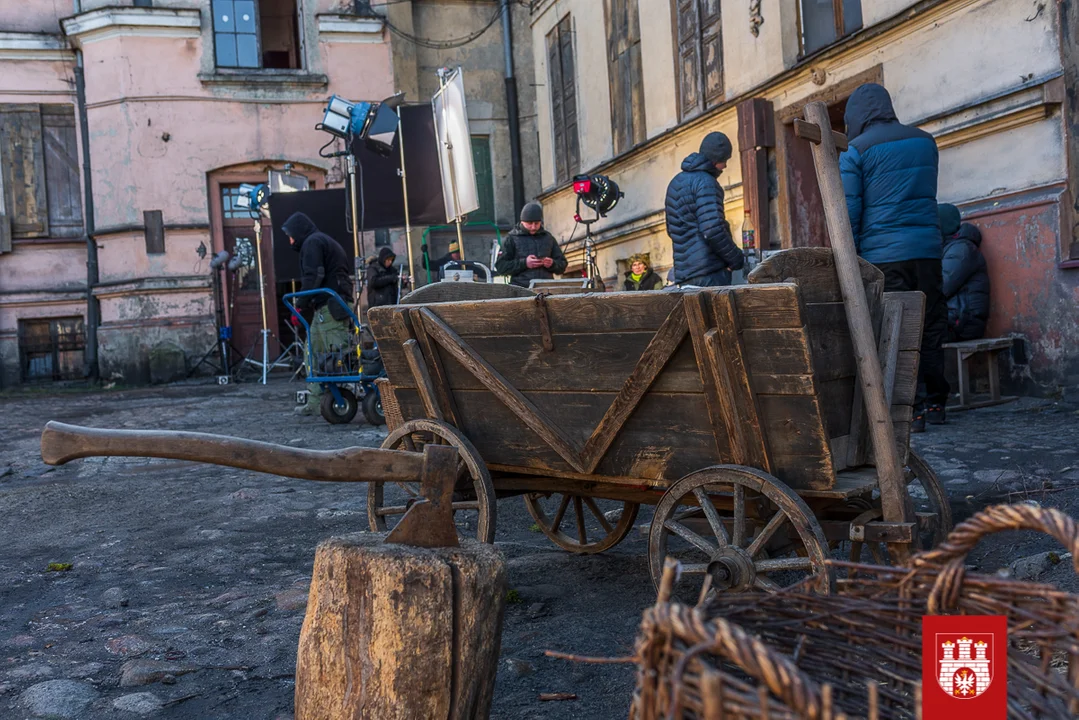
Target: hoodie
[[323, 264], [890, 180], [520, 243], [382, 280], [966, 283], [699, 232]]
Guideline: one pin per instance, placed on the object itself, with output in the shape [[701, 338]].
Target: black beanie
[[949, 219], [532, 212], [716, 147]]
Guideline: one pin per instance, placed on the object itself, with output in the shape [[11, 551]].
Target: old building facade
[[134, 123], [629, 87]]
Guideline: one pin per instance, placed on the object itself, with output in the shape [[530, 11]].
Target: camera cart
[[347, 374]]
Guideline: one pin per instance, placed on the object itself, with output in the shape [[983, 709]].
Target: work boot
[[935, 415], [917, 425], [305, 410]]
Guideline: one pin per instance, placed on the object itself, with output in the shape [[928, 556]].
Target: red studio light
[[582, 186]]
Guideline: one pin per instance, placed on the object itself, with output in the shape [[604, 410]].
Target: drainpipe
[[93, 310], [512, 112]]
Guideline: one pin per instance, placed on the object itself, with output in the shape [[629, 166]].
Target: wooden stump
[[394, 631]]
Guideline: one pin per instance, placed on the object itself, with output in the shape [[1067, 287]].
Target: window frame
[[838, 22], [54, 348], [301, 53], [704, 103], [635, 123], [564, 26]]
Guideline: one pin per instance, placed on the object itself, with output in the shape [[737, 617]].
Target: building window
[[700, 56], [562, 79], [825, 21], [257, 34], [52, 349], [40, 190], [485, 187], [624, 73], [382, 238]]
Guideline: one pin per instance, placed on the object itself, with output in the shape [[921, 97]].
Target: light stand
[[590, 266], [265, 365], [404, 189]]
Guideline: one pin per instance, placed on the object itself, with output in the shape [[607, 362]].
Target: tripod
[[224, 344], [265, 333], [595, 281]]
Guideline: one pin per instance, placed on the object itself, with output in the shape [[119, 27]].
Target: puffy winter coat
[[966, 283], [699, 232], [381, 280], [890, 180], [649, 281], [323, 264], [519, 245]]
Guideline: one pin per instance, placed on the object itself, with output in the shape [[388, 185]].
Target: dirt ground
[[188, 582]]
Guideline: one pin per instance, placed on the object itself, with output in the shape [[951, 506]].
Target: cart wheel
[[473, 497], [335, 412], [599, 528], [372, 408], [731, 540], [931, 498]]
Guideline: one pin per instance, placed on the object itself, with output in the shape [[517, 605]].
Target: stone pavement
[[187, 583]]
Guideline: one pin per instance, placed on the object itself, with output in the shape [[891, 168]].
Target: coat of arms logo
[[964, 664]]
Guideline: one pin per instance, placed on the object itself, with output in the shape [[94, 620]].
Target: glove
[[423, 248]]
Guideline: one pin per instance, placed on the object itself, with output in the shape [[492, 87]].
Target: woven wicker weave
[[390, 408], [858, 653]]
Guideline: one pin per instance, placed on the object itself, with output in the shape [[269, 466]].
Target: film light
[[598, 192], [374, 123]]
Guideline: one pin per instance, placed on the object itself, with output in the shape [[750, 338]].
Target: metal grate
[[52, 349]]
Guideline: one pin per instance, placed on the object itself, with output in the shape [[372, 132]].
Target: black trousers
[[926, 276]]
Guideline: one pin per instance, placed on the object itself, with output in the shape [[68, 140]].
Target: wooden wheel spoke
[[766, 533], [578, 507], [591, 503], [695, 568], [739, 531], [391, 510], [409, 488], [466, 505], [794, 563], [408, 443], [714, 521], [691, 537], [765, 584], [686, 514], [562, 506]]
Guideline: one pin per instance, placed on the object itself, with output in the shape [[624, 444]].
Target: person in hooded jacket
[[704, 250], [889, 175], [323, 264], [640, 275], [382, 279], [966, 284], [530, 252]]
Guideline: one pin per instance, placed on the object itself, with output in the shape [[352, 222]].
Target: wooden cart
[[736, 411]]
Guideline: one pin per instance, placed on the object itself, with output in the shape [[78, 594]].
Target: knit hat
[[641, 258], [716, 147], [532, 212], [949, 219]]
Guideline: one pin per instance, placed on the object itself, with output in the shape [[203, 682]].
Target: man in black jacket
[[382, 279], [530, 252], [323, 264], [704, 251], [966, 284]]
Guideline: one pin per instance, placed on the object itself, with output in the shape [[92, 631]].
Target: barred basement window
[[52, 349]]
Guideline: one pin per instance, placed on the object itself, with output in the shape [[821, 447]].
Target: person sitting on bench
[[966, 284]]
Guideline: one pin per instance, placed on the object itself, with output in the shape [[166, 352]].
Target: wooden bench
[[964, 351]]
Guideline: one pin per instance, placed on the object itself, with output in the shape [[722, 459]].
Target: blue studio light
[[344, 118]]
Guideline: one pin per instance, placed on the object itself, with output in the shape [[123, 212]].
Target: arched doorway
[[233, 230]]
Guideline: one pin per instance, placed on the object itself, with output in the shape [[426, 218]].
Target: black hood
[[300, 227], [382, 255], [967, 231], [696, 162], [869, 104]]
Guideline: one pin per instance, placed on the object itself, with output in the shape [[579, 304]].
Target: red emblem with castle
[[964, 667]]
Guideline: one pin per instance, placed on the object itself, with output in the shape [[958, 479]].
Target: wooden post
[[895, 502], [394, 632]]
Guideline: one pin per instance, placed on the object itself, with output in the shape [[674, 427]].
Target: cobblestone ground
[[188, 583]]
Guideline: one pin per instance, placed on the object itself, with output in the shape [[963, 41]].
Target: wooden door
[[244, 308]]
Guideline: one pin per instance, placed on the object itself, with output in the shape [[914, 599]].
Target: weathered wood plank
[[782, 384], [793, 428], [777, 352], [813, 269], [906, 377], [836, 400], [654, 358], [668, 436], [537, 421], [698, 328], [422, 378], [913, 311], [768, 306], [829, 341], [728, 355], [437, 370]]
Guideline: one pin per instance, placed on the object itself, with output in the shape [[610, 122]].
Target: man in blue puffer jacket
[[890, 179], [704, 251]]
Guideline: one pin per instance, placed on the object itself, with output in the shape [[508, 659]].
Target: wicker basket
[[858, 653], [390, 408]]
